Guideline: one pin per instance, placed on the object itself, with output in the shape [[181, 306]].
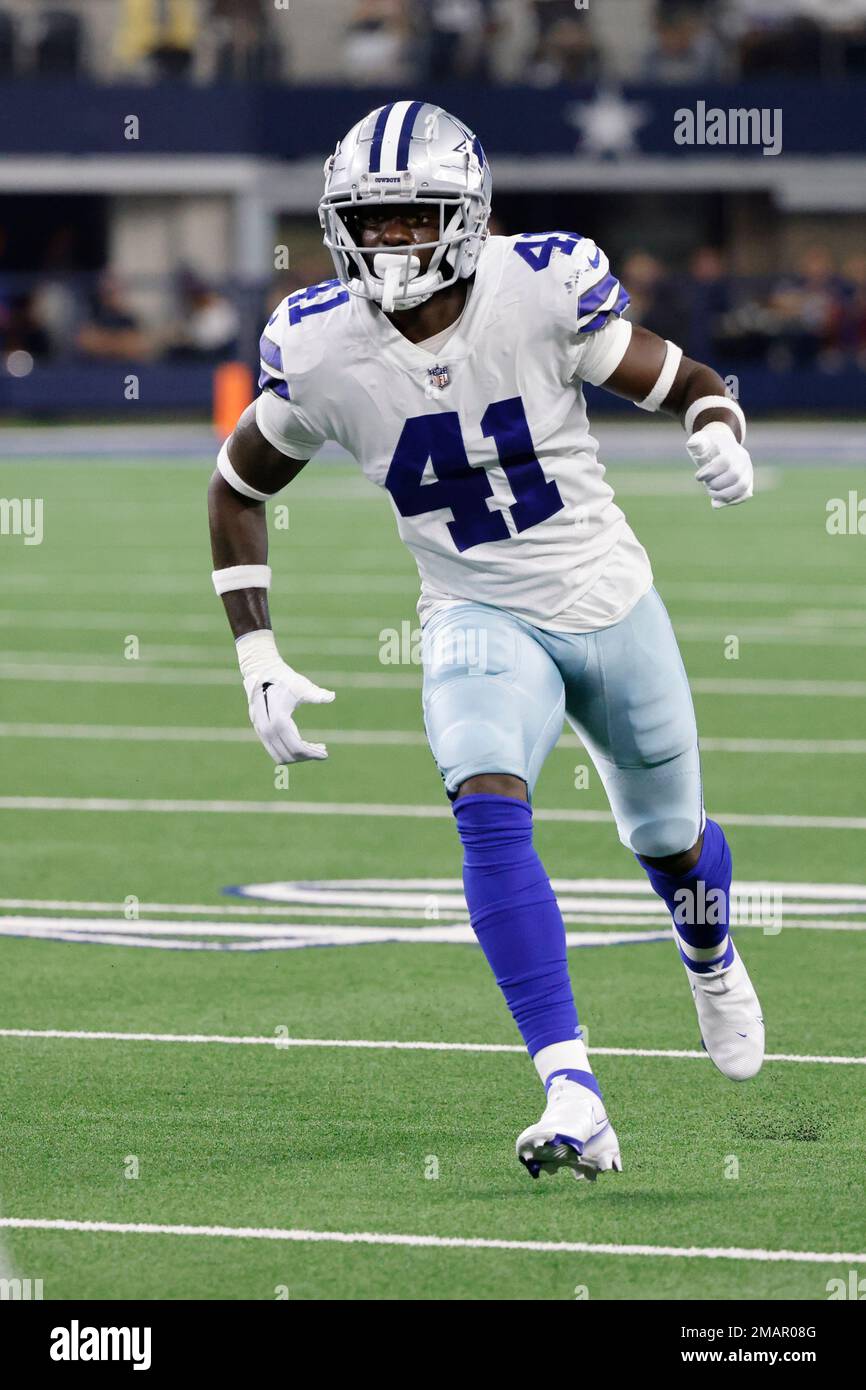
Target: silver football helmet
[[406, 152]]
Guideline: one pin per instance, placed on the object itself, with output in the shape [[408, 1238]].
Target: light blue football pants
[[496, 690]]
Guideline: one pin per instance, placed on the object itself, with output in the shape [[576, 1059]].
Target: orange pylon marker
[[232, 393]]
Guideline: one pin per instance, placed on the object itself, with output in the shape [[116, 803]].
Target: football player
[[450, 363]]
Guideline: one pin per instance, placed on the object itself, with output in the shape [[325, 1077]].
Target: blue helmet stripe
[[406, 134], [378, 137]]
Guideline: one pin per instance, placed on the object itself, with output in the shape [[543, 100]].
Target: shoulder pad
[[571, 276], [297, 335]]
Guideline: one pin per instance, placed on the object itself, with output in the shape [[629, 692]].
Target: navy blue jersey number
[[438, 439], [309, 301], [537, 250]]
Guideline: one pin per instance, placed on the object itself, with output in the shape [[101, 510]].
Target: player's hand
[[723, 465], [273, 698]]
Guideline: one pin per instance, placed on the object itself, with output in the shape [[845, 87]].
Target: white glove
[[723, 465], [274, 690]]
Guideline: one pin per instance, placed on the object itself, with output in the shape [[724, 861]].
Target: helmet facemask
[[391, 275]]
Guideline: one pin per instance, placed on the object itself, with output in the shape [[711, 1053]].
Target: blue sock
[[699, 903], [515, 915]]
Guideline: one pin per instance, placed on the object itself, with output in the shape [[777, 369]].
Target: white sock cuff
[[701, 954], [561, 1056]]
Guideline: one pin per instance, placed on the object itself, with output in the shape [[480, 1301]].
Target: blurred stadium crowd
[[81, 316], [389, 41], [67, 298], [812, 316]]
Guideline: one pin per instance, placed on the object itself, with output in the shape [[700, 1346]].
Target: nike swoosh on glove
[[273, 698], [723, 465]]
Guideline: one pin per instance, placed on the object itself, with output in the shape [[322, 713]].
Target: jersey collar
[[389, 341]]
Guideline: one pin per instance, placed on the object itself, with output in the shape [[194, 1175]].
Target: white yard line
[[122, 621], [781, 688], [134, 673], [755, 635], [821, 625], [807, 746], [596, 928], [603, 901], [410, 738], [241, 937], [639, 886], [351, 582], [546, 1247], [750, 592], [606, 925], [361, 810], [156, 648], [348, 583], [239, 733], [390, 1045]]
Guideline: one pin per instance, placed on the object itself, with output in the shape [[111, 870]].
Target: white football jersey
[[483, 445]]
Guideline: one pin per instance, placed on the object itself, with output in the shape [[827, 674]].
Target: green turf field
[[134, 779]]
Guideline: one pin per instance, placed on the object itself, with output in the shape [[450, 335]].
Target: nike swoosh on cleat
[[594, 263], [742, 1035]]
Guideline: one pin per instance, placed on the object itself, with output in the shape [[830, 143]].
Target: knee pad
[[664, 836]]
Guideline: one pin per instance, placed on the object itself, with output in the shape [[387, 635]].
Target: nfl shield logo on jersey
[[438, 376]]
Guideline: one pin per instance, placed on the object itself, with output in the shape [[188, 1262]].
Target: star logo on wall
[[607, 124]]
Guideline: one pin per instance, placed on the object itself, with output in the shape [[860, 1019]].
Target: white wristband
[[257, 652], [714, 403], [241, 577], [665, 380]]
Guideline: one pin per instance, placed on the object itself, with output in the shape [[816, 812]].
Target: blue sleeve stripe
[[605, 315], [270, 353], [272, 383], [595, 298], [622, 301]]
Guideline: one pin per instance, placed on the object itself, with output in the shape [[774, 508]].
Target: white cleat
[[574, 1132], [731, 1023]]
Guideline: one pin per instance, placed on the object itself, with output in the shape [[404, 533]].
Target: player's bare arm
[[654, 374], [250, 470], [238, 524]]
